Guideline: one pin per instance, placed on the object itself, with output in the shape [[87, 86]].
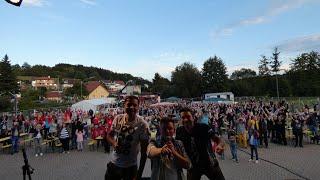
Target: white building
[[131, 90], [114, 86], [224, 95]]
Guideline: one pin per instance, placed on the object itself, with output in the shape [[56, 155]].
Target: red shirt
[[95, 121], [108, 124], [102, 131], [94, 132]]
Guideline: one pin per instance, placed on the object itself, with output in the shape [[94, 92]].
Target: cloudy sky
[[142, 37]]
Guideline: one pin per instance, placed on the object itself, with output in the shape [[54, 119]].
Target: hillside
[[75, 71]]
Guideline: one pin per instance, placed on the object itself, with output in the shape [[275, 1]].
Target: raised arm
[[144, 142], [180, 155], [143, 158]]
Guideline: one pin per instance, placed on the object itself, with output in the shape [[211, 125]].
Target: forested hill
[[75, 71]]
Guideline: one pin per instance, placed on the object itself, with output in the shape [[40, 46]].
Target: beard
[[131, 111]]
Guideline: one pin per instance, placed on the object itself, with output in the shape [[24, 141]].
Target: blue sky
[[142, 37]]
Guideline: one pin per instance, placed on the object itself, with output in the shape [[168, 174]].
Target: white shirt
[[128, 135]]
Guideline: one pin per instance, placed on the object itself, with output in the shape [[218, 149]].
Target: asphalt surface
[[277, 162]]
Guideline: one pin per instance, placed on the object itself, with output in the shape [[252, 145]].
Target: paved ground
[[279, 162]]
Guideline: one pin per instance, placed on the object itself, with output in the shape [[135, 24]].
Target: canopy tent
[[217, 100], [163, 104], [172, 99], [94, 104], [214, 99]]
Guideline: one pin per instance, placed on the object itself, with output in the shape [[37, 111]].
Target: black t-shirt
[[79, 126], [197, 143]]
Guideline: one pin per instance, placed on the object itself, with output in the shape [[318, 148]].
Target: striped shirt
[[64, 133]]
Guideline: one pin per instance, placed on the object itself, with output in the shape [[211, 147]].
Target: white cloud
[[281, 6], [285, 66], [37, 3], [300, 44], [276, 7], [254, 20], [247, 65], [89, 2], [163, 64]]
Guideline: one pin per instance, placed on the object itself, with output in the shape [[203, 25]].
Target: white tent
[[163, 104], [94, 104]]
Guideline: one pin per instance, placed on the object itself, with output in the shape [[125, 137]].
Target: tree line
[[80, 72], [301, 79], [187, 81]]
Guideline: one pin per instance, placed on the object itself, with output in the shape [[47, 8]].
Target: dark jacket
[[13, 129], [36, 131], [197, 144]]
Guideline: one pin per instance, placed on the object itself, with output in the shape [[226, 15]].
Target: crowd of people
[[70, 127], [189, 135]]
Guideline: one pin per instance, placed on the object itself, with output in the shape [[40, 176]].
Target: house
[[132, 90], [228, 96], [114, 86], [69, 83], [24, 82], [47, 82], [54, 96], [119, 82], [96, 90]]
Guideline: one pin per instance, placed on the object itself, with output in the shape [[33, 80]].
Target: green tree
[[306, 61], [28, 98], [5, 104], [160, 85], [8, 81], [243, 73], [275, 63], [16, 69], [275, 67], [186, 80], [214, 75], [42, 91], [313, 59], [80, 75], [76, 90], [264, 69], [25, 65], [299, 63]]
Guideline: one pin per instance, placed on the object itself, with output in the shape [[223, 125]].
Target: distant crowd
[[168, 132]]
